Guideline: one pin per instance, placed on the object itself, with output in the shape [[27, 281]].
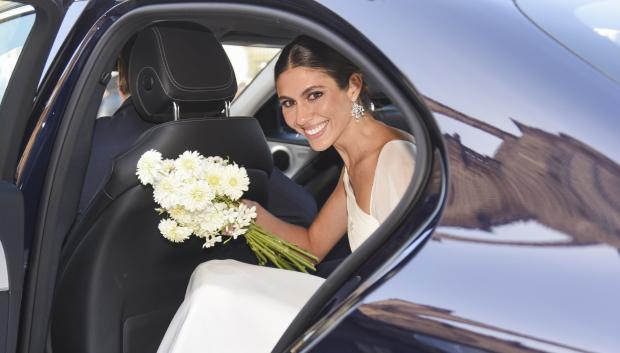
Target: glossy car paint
[[526, 254]]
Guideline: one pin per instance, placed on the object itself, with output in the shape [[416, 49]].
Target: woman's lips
[[316, 130]]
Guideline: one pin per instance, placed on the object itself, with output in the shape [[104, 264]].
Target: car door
[[27, 30]]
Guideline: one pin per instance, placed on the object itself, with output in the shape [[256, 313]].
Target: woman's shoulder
[[396, 162], [398, 149]]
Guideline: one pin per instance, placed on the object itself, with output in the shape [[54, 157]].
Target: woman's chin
[[319, 145]]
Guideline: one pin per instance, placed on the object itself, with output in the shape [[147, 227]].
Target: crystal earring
[[357, 111]]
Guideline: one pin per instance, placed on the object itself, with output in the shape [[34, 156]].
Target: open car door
[[27, 30]]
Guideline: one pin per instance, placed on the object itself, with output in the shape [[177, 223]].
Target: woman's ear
[[355, 86]]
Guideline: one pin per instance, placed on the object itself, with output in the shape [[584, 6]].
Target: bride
[[235, 307]]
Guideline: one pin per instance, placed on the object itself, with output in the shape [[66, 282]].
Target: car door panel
[[290, 158], [11, 263], [26, 53]]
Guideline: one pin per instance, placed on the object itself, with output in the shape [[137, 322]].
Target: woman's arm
[[328, 227]]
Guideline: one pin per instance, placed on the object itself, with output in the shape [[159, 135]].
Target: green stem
[[281, 253], [271, 255], [288, 250], [262, 260], [259, 229]]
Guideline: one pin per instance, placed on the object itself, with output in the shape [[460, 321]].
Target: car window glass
[[16, 20], [248, 61], [73, 12], [111, 97]]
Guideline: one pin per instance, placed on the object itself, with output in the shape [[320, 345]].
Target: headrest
[[180, 62]]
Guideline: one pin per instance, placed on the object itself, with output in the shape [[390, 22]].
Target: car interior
[[118, 282]]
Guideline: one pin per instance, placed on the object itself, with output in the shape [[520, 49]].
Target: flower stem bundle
[[269, 248]]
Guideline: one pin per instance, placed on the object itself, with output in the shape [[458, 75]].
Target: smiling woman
[[110, 255], [320, 92]]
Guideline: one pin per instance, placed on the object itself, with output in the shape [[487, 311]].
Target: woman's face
[[314, 105]]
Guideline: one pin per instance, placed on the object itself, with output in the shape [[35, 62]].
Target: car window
[[16, 20], [248, 61], [111, 97]]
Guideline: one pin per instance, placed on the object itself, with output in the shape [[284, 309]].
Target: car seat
[[119, 281]]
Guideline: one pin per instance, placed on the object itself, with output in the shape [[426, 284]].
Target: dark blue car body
[[509, 243]]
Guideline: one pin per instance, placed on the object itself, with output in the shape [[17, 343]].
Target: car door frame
[[68, 154], [15, 109]]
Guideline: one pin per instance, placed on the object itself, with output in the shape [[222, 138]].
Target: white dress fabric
[[393, 173], [233, 307]]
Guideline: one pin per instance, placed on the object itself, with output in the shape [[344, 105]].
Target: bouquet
[[200, 195]]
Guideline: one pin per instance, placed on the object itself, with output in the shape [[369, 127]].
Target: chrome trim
[[4, 272], [17, 11], [176, 111], [227, 108]]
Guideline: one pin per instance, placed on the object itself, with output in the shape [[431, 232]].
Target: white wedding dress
[[231, 306]]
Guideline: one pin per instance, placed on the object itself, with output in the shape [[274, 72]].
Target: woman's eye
[[315, 95], [286, 103]]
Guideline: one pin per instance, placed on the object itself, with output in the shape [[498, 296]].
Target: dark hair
[[122, 66], [305, 51]]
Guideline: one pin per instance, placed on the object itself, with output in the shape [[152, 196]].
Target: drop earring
[[357, 111]]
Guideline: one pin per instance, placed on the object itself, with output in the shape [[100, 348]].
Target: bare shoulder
[[399, 149], [398, 134]]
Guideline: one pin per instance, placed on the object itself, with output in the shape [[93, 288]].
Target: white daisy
[[168, 166], [211, 221], [235, 182], [149, 167], [214, 176], [172, 231], [188, 164], [166, 191], [196, 196], [182, 216]]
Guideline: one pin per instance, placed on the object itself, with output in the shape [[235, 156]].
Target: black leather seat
[[120, 281]]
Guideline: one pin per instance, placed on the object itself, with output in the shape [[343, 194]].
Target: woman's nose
[[303, 114]]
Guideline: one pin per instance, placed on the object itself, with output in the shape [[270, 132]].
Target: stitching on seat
[[167, 94], [159, 41]]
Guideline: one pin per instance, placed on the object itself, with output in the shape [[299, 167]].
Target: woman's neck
[[359, 140]]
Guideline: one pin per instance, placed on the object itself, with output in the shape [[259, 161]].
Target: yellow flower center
[[188, 164], [213, 180], [198, 195], [167, 186]]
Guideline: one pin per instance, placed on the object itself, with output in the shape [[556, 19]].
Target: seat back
[[119, 281]]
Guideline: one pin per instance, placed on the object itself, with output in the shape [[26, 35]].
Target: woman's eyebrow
[[283, 97], [307, 90]]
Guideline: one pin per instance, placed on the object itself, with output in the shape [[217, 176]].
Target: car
[[508, 239]]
